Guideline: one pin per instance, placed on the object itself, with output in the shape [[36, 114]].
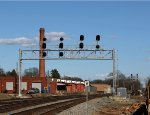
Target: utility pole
[[87, 83], [20, 69], [114, 72]]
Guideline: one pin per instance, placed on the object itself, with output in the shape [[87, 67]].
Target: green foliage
[[55, 73], [2, 72], [12, 73]]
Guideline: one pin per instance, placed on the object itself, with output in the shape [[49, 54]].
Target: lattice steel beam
[[68, 54]]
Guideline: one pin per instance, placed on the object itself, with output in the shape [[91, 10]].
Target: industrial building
[[102, 88], [49, 85]]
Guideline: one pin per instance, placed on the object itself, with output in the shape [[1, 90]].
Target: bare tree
[[31, 72]]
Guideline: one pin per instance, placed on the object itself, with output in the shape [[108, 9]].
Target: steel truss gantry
[[69, 53]]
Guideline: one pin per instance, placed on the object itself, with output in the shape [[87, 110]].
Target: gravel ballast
[[80, 109], [98, 106]]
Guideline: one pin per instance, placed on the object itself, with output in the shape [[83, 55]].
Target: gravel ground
[[99, 106]]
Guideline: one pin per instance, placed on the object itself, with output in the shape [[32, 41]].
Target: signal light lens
[[44, 54], [97, 46], [61, 45], [44, 45], [81, 45], [61, 54], [61, 39], [44, 39], [97, 37], [81, 37]]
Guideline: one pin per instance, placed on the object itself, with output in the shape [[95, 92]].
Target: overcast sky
[[124, 26]]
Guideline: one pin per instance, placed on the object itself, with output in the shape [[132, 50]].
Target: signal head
[[81, 45], [61, 54], [44, 54], [81, 37], [97, 37], [97, 46], [61, 39], [44, 45], [44, 39], [61, 45]]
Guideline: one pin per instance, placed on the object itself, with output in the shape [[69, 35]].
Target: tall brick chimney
[[41, 61]]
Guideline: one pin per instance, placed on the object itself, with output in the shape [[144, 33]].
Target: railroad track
[[52, 109], [6, 106], [10, 105], [44, 106]]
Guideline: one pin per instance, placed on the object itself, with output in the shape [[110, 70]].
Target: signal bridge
[[68, 53], [61, 52]]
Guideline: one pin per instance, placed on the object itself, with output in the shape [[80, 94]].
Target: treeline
[[8, 73], [121, 81], [132, 85]]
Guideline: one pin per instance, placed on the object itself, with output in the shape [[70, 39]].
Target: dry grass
[[4, 96]]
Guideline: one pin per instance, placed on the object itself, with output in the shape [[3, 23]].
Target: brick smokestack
[[41, 61]]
